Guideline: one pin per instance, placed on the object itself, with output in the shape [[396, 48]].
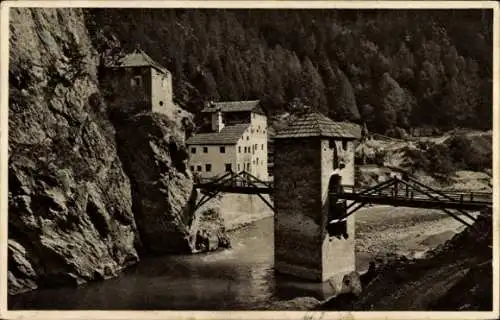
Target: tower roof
[[315, 124], [139, 58]]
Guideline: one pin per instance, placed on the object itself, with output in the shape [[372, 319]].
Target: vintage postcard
[[249, 160]]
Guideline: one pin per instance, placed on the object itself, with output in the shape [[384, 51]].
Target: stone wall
[[116, 85], [302, 172], [297, 201], [161, 93], [338, 253]]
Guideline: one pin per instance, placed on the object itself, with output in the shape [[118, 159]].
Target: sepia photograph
[[233, 157]]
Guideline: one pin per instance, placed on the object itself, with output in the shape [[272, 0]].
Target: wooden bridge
[[395, 192], [412, 193], [242, 182]]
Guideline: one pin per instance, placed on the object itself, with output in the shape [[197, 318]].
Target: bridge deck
[[394, 192], [406, 197]]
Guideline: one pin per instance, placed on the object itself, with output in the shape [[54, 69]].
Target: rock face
[[77, 202], [70, 205], [154, 157]]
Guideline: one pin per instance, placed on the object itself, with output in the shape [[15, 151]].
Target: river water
[[238, 278]]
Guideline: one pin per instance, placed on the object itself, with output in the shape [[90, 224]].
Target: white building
[[236, 140]]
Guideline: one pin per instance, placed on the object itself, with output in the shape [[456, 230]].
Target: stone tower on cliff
[[138, 83], [309, 154]]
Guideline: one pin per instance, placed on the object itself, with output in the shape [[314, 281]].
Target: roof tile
[[228, 135], [139, 58], [317, 125]]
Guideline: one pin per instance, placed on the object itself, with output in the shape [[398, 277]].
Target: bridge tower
[[311, 155]]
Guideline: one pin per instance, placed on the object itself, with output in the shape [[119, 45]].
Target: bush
[[432, 158], [470, 154]]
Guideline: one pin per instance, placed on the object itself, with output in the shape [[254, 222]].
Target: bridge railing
[[241, 179], [405, 192]]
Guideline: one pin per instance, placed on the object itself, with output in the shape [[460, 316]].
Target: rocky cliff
[[75, 214], [155, 158], [70, 205]]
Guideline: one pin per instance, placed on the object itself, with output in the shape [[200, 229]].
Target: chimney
[[217, 121]]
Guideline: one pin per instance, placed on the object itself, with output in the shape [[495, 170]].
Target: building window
[[192, 168], [238, 167], [228, 167], [205, 149], [222, 149], [264, 131], [239, 149], [247, 138], [161, 103], [248, 166], [193, 150], [135, 81], [198, 168], [257, 161], [208, 167], [261, 147], [344, 145]]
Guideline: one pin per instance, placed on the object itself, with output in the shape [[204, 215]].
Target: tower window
[[222, 149], [247, 138], [205, 149], [136, 81], [238, 167], [261, 147], [239, 149], [208, 167], [193, 150], [161, 103]]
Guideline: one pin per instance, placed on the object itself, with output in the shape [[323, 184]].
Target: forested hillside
[[395, 68]]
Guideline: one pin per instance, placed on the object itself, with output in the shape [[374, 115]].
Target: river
[[241, 278]]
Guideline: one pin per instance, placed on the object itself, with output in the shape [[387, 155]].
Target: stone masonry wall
[[297, 200], [338, 254]]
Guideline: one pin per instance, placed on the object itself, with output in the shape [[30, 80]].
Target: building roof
[[228, 135], [315, 124], [232, 106], [139, 58]]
